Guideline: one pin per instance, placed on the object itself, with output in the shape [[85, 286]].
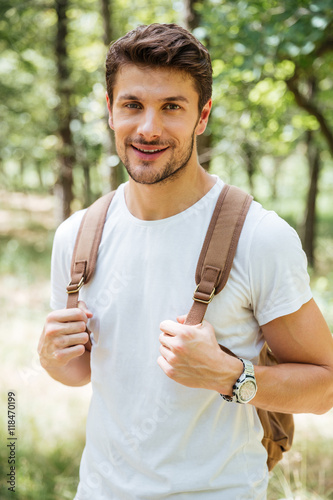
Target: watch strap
[[247, 374]]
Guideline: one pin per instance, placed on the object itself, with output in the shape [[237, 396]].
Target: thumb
[[182, 319], [82, 305]]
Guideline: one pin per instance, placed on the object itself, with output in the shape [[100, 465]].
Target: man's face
[[156, 120]]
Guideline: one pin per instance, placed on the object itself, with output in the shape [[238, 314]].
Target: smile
[[149, 151]]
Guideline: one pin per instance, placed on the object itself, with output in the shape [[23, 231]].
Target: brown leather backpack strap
[[219, 248], [212, 273], [86, 247]]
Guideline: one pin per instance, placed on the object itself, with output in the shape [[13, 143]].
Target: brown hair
[[163, 46]]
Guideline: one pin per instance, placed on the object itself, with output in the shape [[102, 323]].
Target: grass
[[306, 471], [45, 474], [51, 417]]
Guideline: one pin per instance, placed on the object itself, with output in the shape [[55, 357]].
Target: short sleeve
[[279, 280]]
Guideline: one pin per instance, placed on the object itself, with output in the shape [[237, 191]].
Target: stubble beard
[[171, 170]]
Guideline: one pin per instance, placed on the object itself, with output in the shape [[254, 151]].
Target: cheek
[[123, 124], [122, 132], [180, 131]]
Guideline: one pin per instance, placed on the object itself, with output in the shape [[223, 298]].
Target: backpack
[[213, 269]]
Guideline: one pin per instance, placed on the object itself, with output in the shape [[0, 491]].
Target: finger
[[182, 319], [164, 365], [171, 327], [164, 339], [65, 341], [84, 308], [67, 315], [62, 342], [169, 356], [63, 356], [171, 342], [165, 351], [69, 328]]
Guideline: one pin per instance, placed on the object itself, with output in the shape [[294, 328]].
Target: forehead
[[147, 81]]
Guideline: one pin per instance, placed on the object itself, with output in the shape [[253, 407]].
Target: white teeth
[[150, 150]]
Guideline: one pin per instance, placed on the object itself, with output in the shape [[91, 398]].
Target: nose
[[150, 126]]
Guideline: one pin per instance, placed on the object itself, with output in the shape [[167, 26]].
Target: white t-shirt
[[149, 437]]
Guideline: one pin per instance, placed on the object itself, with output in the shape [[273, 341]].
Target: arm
[[302, 342], [303, 381], [61, 346]]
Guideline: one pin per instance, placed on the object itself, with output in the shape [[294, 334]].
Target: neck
[[169, 197]]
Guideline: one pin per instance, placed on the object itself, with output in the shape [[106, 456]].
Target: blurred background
[[270, 132]]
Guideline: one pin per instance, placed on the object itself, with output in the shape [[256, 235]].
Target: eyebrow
[[131, 97]]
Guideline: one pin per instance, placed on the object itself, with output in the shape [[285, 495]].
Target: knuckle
[[170, 372], [82, 326], [189, 334], [56, 355], [178, 347], [172, 359], [48, 351], [61, 342], [85, 337], [50, 317], [81, 350], [54, 316], [81, 315], [49, 330]]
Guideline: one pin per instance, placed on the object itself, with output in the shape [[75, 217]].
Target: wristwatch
[[245, 387]]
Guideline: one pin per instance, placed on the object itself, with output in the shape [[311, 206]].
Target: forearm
[[294, 388], [76, 373]]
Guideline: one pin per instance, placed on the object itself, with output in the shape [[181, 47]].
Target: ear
[[203, 120], [110, 111]]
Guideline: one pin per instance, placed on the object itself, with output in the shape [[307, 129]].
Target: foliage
[[257, 49], [273, 68], [29, 139]]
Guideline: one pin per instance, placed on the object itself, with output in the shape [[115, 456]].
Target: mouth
[[149, 152]]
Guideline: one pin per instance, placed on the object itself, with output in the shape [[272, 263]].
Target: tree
[[192, 20], [310, 223], [266, 55], [116, 168], [66, 154], [27, 132]]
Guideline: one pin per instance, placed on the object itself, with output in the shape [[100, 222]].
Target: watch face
[[247, 391]]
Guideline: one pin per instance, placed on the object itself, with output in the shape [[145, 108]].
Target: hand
[[64, 336], [191, 356]]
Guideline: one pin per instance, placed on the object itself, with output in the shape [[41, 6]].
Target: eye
[[172, 106], [132, 105]]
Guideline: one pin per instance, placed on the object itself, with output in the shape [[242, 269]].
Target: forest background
[[271, 132]]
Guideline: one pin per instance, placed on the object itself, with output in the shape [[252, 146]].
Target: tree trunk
[[191, 16], [21, 176], [310, 224], [250, 158], [87, 184], [66, 157], [308, 104], [204, 141], [39, 171], [116, 171]]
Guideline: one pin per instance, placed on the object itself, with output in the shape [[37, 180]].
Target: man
[[158, 426]]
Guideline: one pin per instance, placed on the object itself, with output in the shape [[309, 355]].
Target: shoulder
[[266, 233], [68, 229], [275, 265]]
